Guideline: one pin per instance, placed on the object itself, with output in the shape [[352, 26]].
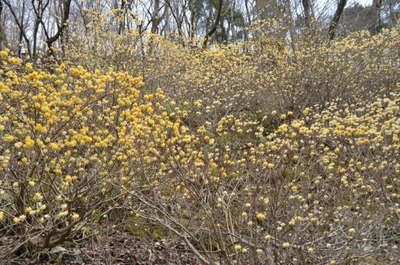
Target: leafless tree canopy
[[34, 26]]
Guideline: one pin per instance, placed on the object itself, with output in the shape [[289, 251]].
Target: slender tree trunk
[[248, 14], [166, 27], [2, 32], [192, 24], [307, 12], [121, 26], [85, 20], [155, 19], [38, 11], [335, 20], [175, 16], [22, 29], [377, 23], [393, 12], [64, 20], [214, 27], [291, 25]]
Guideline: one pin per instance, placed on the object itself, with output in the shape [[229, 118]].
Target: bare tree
[[177, 15], [124, 7], [19, 21], [39, 8]]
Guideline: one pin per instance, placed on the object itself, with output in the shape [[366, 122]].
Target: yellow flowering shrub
[[250, 153], [249, 79], [72, 142]]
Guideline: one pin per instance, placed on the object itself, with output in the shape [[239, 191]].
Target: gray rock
[[58, 250]]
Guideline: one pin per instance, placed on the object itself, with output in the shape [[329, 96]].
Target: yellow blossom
[[267, 237], [75, 216], [352, 230], [8, 138], [260, 216], [286, 245], [4, 53], [14, 60], [29, 142], [38, 196], [237, 247]]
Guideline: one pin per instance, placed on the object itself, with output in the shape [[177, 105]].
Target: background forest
[[34, 26], [216, 132]]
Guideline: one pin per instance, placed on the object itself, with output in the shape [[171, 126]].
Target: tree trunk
[[377, 23], [121, 26], [155, 18], [214, 27], [38, 11], [22, 29], [335, 20], [175, 16], [2, 32], [393, 12], [307, 12], [65, 16]]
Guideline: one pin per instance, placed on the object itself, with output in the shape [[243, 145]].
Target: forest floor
[[113, 247]]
